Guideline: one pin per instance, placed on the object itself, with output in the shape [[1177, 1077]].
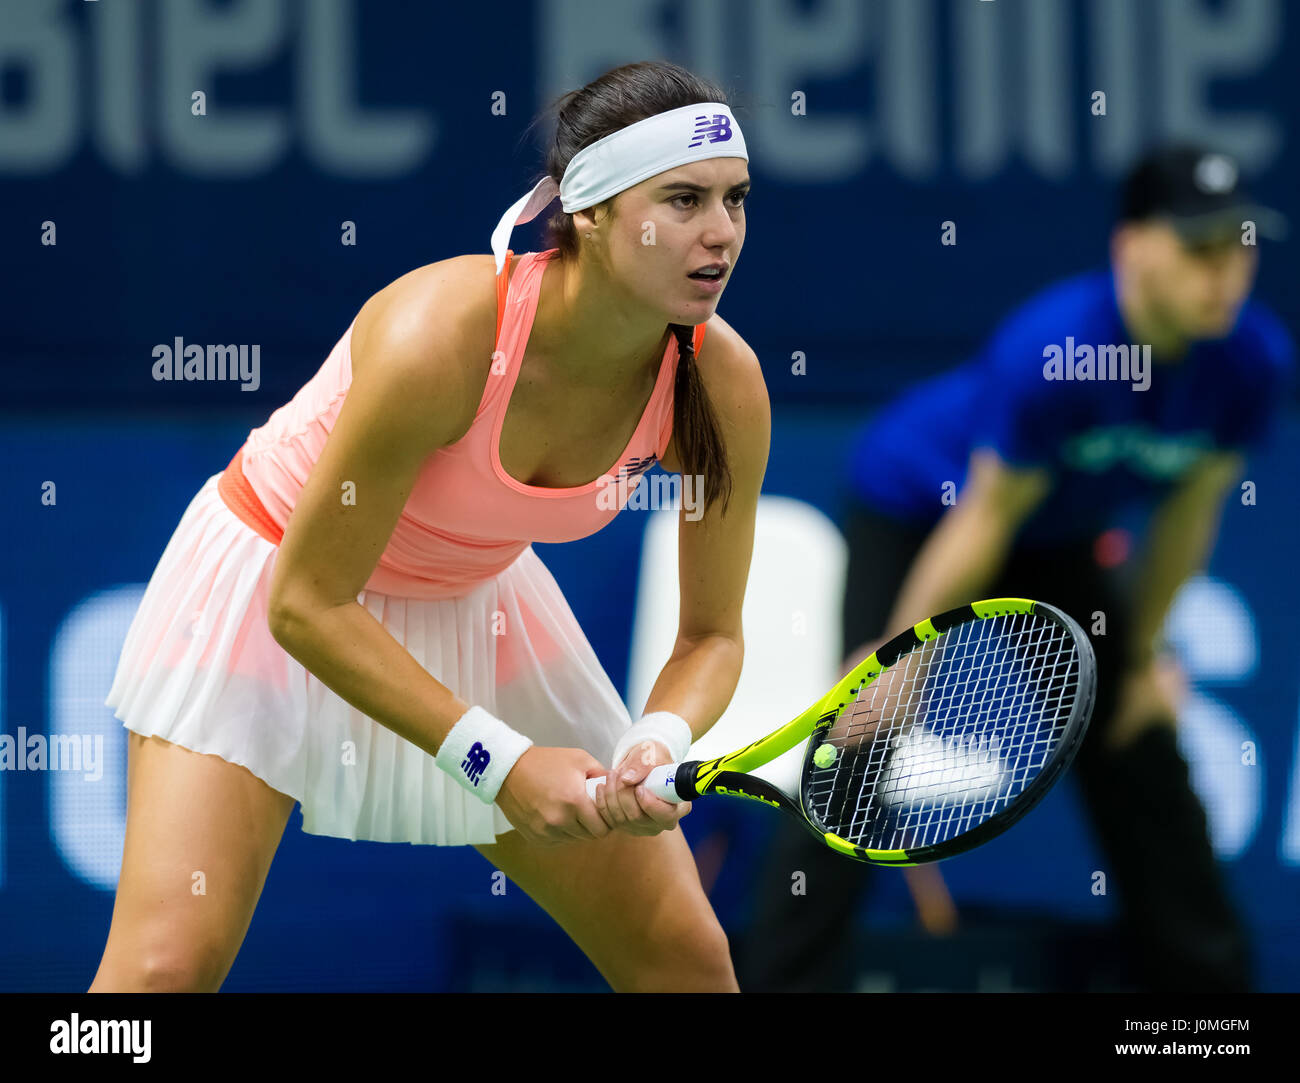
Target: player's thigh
[[633, 904], [200, 836]]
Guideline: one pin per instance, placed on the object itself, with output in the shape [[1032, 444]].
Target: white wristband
[[668, 729], [479, 752]]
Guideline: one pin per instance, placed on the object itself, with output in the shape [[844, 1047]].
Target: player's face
[[658, 235], [1198, 287]]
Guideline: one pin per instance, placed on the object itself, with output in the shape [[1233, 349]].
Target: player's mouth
[[711, 277]]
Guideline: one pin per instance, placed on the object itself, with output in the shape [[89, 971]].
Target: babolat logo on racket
[[476, 761], [715, 129], [743, 793]]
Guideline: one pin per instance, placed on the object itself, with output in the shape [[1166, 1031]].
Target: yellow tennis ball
[[825, 755]]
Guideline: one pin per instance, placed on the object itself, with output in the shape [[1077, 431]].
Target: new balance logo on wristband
[[476, 761]]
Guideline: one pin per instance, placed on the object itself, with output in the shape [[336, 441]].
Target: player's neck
[[1145, 325], [599, 336]]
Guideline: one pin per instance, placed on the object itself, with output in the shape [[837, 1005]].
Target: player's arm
[[1178, 541], [412, 392], [405, 400], [968, 546], [714, 552]]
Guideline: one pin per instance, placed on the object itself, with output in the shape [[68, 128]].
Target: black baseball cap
[[1197, 191]]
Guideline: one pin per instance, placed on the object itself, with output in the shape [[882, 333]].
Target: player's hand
[[545, 796], [626, 805]]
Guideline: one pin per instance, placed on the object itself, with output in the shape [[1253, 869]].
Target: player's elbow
[[283, 621], [729, 642], [288, 612]]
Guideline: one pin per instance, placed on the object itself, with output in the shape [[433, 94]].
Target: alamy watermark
[[114, 1036], [652, 492], [210, 363], [1121, 362], [82, 752]]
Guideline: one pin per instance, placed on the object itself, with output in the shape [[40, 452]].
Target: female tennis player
[[351, 616]]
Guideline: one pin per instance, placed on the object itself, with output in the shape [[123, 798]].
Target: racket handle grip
[[659, 782]]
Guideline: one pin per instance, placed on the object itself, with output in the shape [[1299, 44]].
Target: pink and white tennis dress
[[459, 586]]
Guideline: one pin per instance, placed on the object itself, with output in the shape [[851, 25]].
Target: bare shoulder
[[430, 334], [733, 376], [733, 379]]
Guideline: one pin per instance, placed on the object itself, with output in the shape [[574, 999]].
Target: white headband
[[629, 156]]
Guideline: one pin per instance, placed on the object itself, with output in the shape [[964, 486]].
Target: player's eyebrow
[[700, 187]]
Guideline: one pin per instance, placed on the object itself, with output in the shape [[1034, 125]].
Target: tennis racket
[[935, 743]]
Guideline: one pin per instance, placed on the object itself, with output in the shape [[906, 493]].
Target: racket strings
[[950, 735]]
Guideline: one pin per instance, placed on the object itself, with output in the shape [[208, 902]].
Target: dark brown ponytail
[[699, 439], [618, 98]]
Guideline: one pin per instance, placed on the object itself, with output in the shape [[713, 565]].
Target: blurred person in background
[[999, 477]]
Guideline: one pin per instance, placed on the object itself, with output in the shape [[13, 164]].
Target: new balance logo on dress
[[475, 762], [633, 467]]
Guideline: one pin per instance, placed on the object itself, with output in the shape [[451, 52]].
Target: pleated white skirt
[[199, 668]]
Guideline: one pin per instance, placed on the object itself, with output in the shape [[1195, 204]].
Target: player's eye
[[738, 197]]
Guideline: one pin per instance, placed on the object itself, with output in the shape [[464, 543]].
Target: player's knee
[[155, 974], [180, 974], [687, 956], [162, 968]]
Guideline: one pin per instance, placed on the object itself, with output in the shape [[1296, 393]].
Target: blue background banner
[[410, 127], [415, 125]]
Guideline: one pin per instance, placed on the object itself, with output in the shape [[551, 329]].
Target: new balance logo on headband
[[624, 158], [476, 761], [715, 129]]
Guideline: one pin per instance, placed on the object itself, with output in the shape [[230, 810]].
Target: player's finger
[[594, 768], [602, 806], [663, 813], [615, 813], [592, 822], [636, 764], [629, 806], [639, 821], [570, 828]]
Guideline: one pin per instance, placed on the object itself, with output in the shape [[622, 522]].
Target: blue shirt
[[1109, 446]]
